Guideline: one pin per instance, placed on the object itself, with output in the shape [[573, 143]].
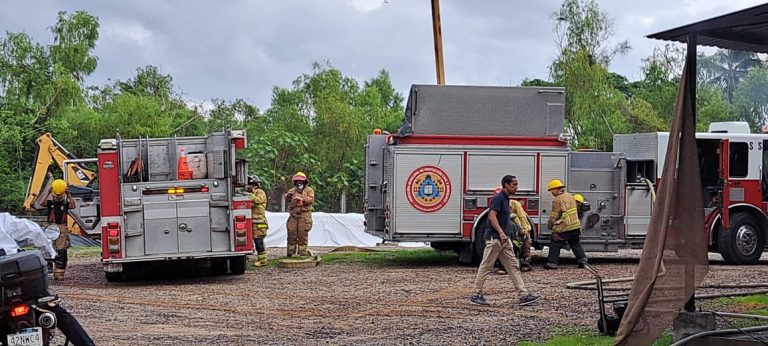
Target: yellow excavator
[[50, 152]]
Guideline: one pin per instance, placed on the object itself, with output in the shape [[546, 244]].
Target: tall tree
[[593, 105], [319, 126], [582, 26], [751, 98], [38, 83], [728, 67]]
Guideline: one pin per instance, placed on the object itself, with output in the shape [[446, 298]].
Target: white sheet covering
[[327, 230], [15, 231]]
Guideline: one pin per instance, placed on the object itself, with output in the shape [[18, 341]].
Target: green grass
[[415, 257], [84, 251], [585, 337], [386, 258], [755, 304]]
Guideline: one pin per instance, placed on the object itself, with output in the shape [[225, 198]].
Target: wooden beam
[[438, 39]]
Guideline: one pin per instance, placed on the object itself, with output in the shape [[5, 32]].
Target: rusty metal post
[[690, 305], [438, 38]]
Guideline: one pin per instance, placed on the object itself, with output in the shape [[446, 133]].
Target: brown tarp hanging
[[674, 259]]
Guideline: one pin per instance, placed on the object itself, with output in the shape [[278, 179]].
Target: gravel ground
[[341, 303]]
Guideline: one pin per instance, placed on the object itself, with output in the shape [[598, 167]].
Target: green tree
[[728, 67], [751, 98], [582, 26], [319, 126], [38, 83]]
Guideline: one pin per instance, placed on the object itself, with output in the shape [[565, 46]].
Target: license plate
[[27, 337]]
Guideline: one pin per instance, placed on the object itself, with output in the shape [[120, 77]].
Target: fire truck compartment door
[[552, 166], [194, 226], [160, 228], [484, 170], [638, 210], [427, 192]]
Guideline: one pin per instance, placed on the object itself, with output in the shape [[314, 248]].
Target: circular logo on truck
[[428, 189]]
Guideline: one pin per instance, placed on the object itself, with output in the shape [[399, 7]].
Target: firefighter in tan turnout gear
[[58, 206], [299, 199], [565, 225], [259, 218], [523, 241]]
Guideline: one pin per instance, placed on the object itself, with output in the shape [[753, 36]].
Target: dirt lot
[[340, 303]]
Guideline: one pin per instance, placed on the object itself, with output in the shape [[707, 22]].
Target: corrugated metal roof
[[745, 30]]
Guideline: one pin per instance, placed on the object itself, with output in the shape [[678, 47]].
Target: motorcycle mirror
[[52, 232]]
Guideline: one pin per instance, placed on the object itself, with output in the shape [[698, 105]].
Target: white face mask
[[300, 186]]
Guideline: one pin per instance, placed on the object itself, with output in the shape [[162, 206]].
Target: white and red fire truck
[[433, 180], [172, 198]]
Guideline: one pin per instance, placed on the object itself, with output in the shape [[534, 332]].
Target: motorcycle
[[27, 316]]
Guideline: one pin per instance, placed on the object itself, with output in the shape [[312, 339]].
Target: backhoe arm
[[49, 152]]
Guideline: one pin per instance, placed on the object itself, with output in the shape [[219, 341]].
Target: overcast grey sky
[[242, 48]]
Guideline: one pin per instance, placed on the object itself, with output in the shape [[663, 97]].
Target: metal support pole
[[690, 305], [438, 38]]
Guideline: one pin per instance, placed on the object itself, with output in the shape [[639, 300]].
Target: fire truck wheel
[[479, 242], [219, 266], [114, 277], [743, 242], [237, 265]]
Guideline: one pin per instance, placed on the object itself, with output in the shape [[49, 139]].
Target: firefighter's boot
[[261, 261], [304, 251], [58, 274], [291, 250], [525, 265]]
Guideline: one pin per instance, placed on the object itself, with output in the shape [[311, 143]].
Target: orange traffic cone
[[183, 167]]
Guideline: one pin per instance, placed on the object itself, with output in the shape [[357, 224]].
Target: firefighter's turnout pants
[[260, 226], [299, 225], [61, 244]]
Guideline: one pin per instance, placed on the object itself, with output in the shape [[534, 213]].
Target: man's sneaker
[[529, 298], [501, 271], [582, 263], [550, 266], [478, 299]]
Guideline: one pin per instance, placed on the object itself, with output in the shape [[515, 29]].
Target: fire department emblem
[[428, 189]]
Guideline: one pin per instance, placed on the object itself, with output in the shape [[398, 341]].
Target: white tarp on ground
[[327, 230]]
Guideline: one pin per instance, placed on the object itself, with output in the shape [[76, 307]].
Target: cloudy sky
[[242, 48]]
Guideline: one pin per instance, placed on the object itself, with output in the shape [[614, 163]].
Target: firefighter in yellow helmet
[[582, 204], [565, 225], [58, 206], [299, 199], [259, 218]]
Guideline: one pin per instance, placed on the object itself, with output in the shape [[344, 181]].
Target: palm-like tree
[[728, 67]]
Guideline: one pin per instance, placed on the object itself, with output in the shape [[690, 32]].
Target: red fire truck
[[432, 181], [172, 198]]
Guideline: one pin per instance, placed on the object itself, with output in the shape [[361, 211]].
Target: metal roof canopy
[[745, 30]]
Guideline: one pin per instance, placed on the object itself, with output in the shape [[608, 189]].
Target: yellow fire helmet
[[554, 184], [579, 198], [299, 176], [58, 187]]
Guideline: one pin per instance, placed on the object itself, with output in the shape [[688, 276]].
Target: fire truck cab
[[734, 186]]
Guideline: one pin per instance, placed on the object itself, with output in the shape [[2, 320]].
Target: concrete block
[[689, 323]]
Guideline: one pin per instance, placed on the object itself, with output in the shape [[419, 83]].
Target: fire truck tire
[[219, 266], [743, 242], [114, 277], [237, 265], [479, 243]]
